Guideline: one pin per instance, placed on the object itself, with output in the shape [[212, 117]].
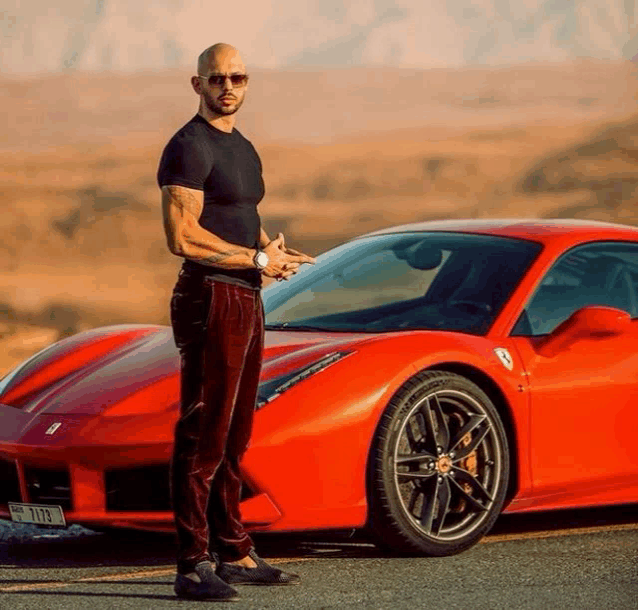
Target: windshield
[[431, 281]]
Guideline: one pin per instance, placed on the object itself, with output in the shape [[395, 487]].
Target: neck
[[223, 122]]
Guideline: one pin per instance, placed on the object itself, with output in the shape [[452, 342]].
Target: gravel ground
[[17, 533]]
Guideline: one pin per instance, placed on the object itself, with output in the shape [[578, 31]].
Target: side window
[[605, 273]]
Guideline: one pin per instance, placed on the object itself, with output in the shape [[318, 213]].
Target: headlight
[[269, 390]]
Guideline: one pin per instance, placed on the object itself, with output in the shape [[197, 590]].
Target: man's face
[[223, 99]]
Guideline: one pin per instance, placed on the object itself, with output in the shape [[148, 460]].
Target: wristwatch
[[261, 260]]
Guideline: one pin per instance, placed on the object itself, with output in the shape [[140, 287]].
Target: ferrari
[[417, 382]]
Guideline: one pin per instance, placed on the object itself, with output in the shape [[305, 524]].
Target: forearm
[[205, 248], [181, 209]]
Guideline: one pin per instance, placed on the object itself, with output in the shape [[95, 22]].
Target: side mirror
[[591, 322]]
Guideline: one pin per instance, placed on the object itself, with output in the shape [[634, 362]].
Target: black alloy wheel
[[439, 467]]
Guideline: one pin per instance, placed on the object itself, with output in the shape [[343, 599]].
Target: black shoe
[[210, 587], [263, 574]]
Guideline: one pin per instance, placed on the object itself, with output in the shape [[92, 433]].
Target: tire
[[439, 467]]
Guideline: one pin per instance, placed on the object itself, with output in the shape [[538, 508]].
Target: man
[[211, 182]]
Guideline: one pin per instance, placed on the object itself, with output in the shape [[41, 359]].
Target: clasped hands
[[283, 262]]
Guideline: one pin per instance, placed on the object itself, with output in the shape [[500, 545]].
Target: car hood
[[93, 382], [143, 369]]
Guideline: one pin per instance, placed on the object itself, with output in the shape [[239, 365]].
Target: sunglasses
[[218, 80]]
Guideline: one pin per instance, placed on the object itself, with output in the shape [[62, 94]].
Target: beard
[[214, 105]]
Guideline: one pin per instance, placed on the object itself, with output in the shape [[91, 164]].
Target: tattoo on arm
[[185, 200], [218, 258], [182, 208]]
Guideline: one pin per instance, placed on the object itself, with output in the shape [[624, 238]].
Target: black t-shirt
[[227, 168]]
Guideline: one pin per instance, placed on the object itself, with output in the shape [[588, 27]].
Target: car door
[[584, 399]]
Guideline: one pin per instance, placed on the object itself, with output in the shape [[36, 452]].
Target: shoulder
[[245, 142], [241, 137], [187, 159], [192, 136]]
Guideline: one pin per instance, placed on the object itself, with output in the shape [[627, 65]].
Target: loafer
[[211, 586], [263, 574]]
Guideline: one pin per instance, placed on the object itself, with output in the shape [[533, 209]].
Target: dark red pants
[[219, 329]]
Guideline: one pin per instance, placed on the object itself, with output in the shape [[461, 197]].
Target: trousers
[[218, 328]]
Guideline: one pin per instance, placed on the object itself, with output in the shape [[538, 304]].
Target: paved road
[[577, 560]]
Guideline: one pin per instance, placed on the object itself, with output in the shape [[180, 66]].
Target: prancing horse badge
[[505, 357]]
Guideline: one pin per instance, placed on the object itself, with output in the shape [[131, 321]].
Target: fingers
[[275, 245], [303, 258], [293, 256], [283, 271], [278, 242], [283, 276], [288, 270], [281, 256], [284, 262]]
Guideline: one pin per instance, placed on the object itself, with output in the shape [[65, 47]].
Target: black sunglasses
[[218, 80]]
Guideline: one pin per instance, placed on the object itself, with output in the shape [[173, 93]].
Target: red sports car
[[417, 381]]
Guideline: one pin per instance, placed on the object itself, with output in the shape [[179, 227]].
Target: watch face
[[261, 259]]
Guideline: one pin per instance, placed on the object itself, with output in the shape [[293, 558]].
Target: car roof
[[536, 229]]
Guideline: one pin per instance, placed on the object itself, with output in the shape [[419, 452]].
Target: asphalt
[[576, 560]]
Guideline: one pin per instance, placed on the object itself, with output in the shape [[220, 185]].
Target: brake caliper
[[470, 464]]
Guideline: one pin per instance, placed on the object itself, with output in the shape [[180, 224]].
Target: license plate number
[[42, 514]]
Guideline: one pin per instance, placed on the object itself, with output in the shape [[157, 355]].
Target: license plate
[[42, 514]]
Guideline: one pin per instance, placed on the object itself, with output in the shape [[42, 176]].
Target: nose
[[228, 84]]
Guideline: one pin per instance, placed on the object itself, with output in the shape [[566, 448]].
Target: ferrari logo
[[53, 427], [505, 357]]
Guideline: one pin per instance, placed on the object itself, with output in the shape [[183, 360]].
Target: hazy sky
[[123, 35]]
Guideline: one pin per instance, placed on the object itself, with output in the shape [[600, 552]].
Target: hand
[[307, 259], [282, 262], [280, 266]]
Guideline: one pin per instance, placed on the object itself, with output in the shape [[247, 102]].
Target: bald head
[[217, 54], [221, 83]]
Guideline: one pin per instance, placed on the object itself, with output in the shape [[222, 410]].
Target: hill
[[83, 243], [126, 36]]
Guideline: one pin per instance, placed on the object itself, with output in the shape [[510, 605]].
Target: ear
[[196, 83]]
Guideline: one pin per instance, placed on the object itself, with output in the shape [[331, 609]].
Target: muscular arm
[[181, 208]]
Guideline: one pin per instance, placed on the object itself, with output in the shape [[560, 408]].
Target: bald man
[[211, 182]]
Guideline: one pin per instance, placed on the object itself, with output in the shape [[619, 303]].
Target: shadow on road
[[41, 547]]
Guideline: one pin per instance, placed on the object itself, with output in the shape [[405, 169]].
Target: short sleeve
[[184, 162]]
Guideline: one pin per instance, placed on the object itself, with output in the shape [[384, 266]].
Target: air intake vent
[[145, 488], [49, 486], [10, 486]]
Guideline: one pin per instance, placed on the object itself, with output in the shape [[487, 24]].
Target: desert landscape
[[345, 151]]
